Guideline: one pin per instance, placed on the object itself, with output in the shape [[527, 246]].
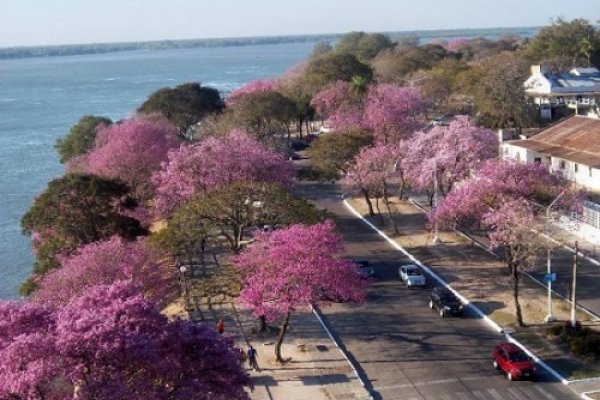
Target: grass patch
[[543, 341]]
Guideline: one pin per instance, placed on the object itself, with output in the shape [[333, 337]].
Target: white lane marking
[[547, 395], [478, 395], [494, 393]]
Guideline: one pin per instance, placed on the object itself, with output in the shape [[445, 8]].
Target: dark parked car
[[298, 145], [445, 302], [513, 361], [364, 268]]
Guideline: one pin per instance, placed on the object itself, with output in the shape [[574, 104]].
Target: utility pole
[[550, 317], [436, 235], [574, 290]]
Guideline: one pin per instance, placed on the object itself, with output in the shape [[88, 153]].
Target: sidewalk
[[317, 370]]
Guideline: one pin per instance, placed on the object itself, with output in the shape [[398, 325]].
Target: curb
[[342, 349], [585, 396], [477, 311]]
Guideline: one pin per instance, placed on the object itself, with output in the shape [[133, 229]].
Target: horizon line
[[299, 35]]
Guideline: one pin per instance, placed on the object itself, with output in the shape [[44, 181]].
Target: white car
[[412, 275]]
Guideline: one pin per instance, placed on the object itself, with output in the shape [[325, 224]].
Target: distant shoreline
[[99, 48]]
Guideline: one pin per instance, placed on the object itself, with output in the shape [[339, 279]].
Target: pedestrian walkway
[[316, 369]]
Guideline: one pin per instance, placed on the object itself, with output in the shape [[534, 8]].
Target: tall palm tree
[[586, 48], [358, 86]]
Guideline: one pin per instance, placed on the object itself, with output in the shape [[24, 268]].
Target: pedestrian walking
[[252, 358], [220, 326]]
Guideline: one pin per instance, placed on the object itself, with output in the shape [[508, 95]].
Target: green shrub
[[577, 346], [555, 330]]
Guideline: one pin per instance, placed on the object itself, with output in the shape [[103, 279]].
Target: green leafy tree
[[559, 45], [184, 105], [81, 137], [499, 94], [364, 46], [229, 211], [332, 152], [334, 67], [74, 210], [440, 82], [396, 65], [264, 113], [320, 49]]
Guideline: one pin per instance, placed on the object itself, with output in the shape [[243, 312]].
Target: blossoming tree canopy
[[498, 181], [294, 268], [104, 262], [130, 151], [453, 151], [215, 162], [110, 343], [339, 105], [390, 111], [260, 85]]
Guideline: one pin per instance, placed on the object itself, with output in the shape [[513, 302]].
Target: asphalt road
[[405, 350], [588, 276]]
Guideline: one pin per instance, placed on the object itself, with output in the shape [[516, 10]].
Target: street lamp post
[[183, 270], [549, 317], [436, 235]]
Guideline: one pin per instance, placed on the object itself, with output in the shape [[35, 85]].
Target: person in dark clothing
[[252, 362]]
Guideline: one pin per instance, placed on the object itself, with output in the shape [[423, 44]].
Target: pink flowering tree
[[130, 151], [106, 261], [456, 44], [215, 162], [342, 107], [372, 172], [452, 151], [257, 86], [111, 343], [391, 111], [293, 268], [506, 199]]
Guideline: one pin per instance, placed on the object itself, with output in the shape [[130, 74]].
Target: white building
[[577, 89], [571, 146]]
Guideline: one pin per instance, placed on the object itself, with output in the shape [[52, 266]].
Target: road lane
[[406, 350]]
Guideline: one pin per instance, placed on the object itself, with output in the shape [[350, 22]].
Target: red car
[[509, 358]]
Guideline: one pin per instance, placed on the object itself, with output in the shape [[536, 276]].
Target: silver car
[[412, 275]]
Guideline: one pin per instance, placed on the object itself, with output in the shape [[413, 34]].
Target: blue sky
[[37, 22]]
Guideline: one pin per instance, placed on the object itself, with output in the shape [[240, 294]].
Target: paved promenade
[[316, 370]]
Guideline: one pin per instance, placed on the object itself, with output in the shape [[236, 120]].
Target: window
[[518, 156], [590, 171], [561, 164], [537, 160], [576, 168]]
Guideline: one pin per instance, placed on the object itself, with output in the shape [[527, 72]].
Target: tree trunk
[[401, 189], [237, 239], [284, 328], [386, 201], [369, 204], [262, 324], [515, 279]]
